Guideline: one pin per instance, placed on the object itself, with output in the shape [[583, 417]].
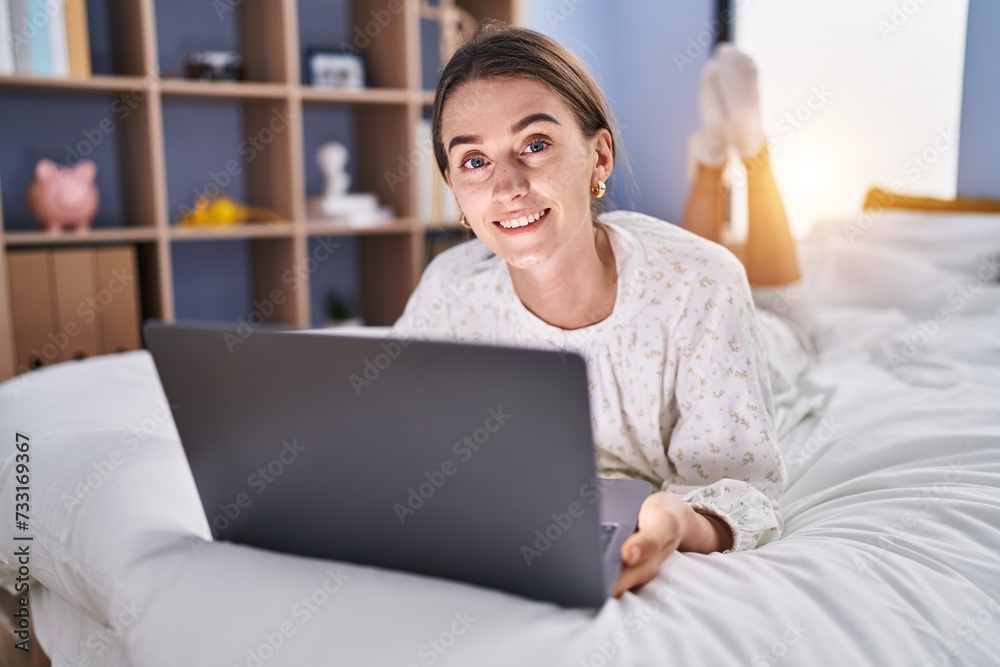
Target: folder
[[38, 38], [78, 38], [117, 278], [31, 304], [77, 303], [58, 48], [7, 65], [22, 47]]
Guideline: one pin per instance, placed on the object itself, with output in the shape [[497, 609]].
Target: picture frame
[[335, 68]]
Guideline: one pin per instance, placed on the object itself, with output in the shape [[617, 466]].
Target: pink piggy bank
[[63, 197]]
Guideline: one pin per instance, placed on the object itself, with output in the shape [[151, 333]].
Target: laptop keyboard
[[608, 531]]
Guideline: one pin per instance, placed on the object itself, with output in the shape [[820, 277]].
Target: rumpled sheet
[[889, 554]]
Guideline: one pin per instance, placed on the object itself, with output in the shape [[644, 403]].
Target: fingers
[[640, 546], [643, 554], [639, 574], [658, 520], [658, 536]]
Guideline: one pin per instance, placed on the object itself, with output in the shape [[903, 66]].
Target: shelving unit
[[157, 158]]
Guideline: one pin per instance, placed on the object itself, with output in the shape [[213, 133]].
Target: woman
[[679, 386]]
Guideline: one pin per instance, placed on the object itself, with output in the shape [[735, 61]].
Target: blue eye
[[476, 163], [537, 146]]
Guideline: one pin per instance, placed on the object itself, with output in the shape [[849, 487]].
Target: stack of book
[[436, 205], [44, 38]]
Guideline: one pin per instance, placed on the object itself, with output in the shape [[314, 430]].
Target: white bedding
[[889, 555]]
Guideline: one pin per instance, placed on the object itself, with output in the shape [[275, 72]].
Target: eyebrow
[[514, 129], [533, 118]]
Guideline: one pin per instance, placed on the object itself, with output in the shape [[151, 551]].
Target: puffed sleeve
[[723, 446]]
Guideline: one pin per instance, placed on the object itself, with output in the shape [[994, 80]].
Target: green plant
[[337, 308]]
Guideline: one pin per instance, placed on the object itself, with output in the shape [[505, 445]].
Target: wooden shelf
[[114, 84], [248, 230], [366, 96], [237, 89], [98, 235], [317, 227], [431, 226], [173, 138]]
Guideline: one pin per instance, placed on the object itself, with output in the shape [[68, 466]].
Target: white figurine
[[359, 209], [332, 158]]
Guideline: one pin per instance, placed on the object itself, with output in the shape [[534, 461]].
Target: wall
[[979, 143], [646, 56]]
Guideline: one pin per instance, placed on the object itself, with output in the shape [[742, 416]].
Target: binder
[[38, 38], [19, 25], [58, 50], [69, 304], [77, 38], [117, 277], [32, 307], [7, 65], [76, 299]]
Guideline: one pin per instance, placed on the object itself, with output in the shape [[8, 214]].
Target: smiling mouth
[[523, 221]]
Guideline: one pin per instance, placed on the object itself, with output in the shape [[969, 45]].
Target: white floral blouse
[[679, 387]]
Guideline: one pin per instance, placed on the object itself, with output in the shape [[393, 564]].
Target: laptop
[[462, 461]]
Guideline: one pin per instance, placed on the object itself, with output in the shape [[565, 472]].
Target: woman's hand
[[667, 524]]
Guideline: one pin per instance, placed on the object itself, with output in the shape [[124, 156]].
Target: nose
[[509, 182]]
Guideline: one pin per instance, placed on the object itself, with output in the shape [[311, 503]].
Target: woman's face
[[521, 168]]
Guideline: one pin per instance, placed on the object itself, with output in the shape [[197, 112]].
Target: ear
[[87, 170], [447, 178], [45, 169], [604, 160]]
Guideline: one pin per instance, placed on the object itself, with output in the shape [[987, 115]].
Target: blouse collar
[[626, 249]]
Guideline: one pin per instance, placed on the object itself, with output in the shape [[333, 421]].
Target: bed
[[889, 554]]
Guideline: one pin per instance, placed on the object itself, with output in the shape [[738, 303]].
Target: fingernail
[[634, 554]]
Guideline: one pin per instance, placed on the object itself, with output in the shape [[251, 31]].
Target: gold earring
[[598, 190], [465, 223]]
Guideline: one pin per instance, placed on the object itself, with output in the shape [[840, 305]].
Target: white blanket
[[889, 555]]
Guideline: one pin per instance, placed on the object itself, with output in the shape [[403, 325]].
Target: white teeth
[[521, 222]]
